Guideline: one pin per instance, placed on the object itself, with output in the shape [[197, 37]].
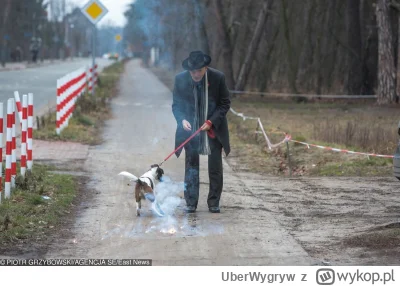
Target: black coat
[[218, 105]]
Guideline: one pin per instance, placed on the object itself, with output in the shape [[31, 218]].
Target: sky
[[116, 9]]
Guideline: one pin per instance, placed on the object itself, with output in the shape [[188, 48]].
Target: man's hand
[[186, 125], [206, 126]]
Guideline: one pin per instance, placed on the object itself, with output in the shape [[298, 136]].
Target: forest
[[340, 47]]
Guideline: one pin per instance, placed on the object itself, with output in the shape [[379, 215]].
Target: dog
[[145, 187]]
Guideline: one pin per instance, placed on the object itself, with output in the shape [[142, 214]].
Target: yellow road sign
[[94, 10], [118, 37]]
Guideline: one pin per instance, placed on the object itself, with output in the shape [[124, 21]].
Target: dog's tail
[[129, 175]]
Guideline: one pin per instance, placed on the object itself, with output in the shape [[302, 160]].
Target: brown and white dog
[[145, 187]]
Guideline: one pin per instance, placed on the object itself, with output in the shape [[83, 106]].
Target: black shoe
[[190, 209], [214, 209]]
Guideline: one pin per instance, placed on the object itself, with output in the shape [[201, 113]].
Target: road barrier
[[13, 149], [7, 188], [19, 106], [14, 106], [69, 88], [30, 132], [23, 133], [92, 78]]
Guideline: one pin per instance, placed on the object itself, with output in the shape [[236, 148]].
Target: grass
[[89, 114], [28, 214], [359, 127]]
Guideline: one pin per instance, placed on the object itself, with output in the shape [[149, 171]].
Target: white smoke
[[168, 195]]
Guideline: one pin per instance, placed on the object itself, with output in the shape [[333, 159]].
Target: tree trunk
[[386, 69], [3, 33], [227, 52], [306, 52], [328, 46], [265, 71], [354, 76], [292, 72], [202, 27], [252, 48]]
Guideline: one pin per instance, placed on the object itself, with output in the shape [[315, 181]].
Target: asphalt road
[[41, 81]]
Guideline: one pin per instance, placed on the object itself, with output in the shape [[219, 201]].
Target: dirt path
[[338, 221], [140, 134]]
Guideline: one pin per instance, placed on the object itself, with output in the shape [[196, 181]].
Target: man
[[201, 99]]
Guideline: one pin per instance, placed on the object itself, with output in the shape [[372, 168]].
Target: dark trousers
[[215, 174]]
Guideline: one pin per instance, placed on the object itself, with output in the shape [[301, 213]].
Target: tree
[[386, 68], [252, 48], [354, 76], [227, 51], [4, 25]]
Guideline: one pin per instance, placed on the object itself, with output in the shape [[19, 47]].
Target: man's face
[[197, 75]]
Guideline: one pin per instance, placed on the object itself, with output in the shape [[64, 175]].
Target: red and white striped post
[[19, 106], [1, 149], [23, 134], [30, 132], [69, 89], [13, 150], [7, 184], [90, 81], [95, 75]]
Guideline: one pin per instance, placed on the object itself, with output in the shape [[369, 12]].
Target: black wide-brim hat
[[196, 60]]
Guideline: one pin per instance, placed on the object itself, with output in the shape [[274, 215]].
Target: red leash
[[210, 133], [183, 144]]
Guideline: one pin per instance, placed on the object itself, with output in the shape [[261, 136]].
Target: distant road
[[41, 81]]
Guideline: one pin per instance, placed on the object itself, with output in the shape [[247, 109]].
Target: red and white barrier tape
[[243, 116], [270, 145], [69, 88], [343, 150], [289, 138]]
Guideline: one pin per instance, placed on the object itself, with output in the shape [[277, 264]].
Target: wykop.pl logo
[[325, 276]]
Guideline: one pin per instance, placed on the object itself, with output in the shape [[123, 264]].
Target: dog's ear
[[160, 173]]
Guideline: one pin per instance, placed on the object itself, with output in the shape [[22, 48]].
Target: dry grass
[[355, 126], [29, 214]]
